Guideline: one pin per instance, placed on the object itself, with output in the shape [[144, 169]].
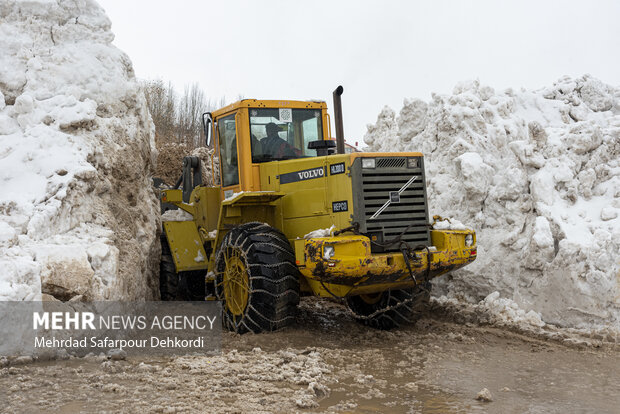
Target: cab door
[[228, 154]]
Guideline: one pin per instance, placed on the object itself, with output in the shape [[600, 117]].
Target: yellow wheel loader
[[296, 215]]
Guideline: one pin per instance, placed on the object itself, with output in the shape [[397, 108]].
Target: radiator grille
[[408, 215]]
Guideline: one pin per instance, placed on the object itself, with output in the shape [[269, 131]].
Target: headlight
[[413, 162], [328, 252], [368, 163], [469, 240]]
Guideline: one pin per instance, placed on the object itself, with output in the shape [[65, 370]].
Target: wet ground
[[329, 363]]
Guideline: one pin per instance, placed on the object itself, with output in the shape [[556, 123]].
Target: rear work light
[[413, 162]]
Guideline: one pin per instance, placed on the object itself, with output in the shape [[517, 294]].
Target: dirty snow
[[233, 196], [199, 257], [77, 213], [177, 215], [537, 175], [450, 224]]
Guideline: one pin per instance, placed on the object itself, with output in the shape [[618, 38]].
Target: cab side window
[[227, 133]]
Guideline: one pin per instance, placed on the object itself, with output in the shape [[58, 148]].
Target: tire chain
[[394, 307], [219, 292]]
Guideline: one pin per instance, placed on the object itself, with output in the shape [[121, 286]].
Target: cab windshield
[[284, 133]]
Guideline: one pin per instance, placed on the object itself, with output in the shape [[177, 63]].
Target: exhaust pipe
[[338, 120]]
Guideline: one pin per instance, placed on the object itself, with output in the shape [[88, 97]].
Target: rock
[[117, 354], [484, 395]]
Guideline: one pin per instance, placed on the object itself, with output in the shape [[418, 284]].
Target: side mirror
[[207, 121], [322, 147]]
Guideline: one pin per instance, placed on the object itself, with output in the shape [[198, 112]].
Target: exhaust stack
[[338, 120]]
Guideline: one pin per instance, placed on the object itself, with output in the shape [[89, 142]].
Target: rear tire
[[256, 279], [407, 306], [183, 286]]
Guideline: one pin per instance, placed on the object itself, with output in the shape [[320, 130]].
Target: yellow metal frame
[[188, 252], [354, 270]]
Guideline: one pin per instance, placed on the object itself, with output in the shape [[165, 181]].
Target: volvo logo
[[302, 175], [393, 198]]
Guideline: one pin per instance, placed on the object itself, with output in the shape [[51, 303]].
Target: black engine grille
[[372, 188]]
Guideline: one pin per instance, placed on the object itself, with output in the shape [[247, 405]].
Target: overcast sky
[[380, 51]]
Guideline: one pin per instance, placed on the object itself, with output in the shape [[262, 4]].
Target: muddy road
[[329, 363]]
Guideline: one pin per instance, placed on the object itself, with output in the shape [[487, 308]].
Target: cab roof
[[263, 103]]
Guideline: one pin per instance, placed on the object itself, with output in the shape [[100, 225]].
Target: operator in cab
[[275, 146]]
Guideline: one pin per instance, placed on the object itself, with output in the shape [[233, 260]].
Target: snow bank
[[77, 212], [537, 174]]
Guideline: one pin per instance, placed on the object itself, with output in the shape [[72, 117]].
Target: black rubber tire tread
[[272, 274], [416, 302], [168, 277], [183, 286], [192, 285]]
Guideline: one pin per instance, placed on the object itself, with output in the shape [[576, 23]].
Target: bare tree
[[161, 100], [177, 118], [192, 105]]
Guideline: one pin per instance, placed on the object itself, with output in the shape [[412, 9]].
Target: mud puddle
[[329, 363]]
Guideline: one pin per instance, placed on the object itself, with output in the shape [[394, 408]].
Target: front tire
[[391, 308], [256, 279]]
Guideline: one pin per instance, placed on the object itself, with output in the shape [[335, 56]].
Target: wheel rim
[[371, 298], [235, 282]]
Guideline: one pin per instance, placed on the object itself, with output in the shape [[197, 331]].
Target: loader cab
[[252, 132]]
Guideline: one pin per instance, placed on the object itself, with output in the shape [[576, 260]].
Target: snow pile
[[77, 212], [170, 163], [537, 174]]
